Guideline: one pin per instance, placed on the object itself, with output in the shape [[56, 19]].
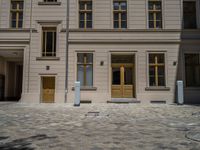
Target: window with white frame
[[85, 13], [49, 41], [85, 69], [189, 15], [192, 70], [156, 69], [155, 14], [120, 13], [16, 13]]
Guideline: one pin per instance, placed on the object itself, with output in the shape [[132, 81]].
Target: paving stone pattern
[[99, 127]]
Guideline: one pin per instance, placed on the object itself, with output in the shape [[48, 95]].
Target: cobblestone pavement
[[99, 127]]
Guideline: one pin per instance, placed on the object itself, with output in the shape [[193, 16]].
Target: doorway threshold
[[123, 100]]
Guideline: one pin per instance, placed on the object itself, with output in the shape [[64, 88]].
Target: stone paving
[[99, 127]]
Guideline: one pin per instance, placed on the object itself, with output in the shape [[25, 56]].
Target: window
[[85, 69], [155, 14], [192, 70], [85, 14], [16, 14], [49, 41], [120, 14], [189, 15], [156, 69]]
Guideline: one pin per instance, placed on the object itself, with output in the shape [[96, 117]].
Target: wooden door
[[122, 81], [48, 89]]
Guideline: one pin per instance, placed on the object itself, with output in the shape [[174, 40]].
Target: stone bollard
[[180, 93], [77, 94]]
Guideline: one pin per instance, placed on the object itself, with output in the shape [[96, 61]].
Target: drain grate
[[195, 136], [92, 114]]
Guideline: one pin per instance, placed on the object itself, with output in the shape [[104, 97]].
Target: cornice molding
[[10, 30], [122, 30]]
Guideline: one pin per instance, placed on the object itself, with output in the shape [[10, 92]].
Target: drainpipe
[[67, 49], [29, 53]]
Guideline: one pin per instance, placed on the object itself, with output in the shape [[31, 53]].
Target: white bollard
[[77, 94], [180, 95]]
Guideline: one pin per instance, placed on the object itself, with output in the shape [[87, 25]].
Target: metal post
[[180, 95], [77, 94]]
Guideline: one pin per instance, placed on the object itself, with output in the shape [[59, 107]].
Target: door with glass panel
[[122, 77], [48, 89]]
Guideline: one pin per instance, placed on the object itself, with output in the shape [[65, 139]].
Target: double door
[[122, 81]]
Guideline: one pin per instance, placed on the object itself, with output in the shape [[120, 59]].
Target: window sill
[[49, 3], [47, 58], [86, 88], [157, 89]]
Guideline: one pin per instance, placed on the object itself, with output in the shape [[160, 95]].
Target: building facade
[[119, 50]]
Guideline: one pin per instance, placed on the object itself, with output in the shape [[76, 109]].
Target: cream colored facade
[[24, 46]]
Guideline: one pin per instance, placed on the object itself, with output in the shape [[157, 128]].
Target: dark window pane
[[192, 70], [14, 5], [81, 25], [116, 24], [152, 81], [158, 6], [151, 5], [116, 5], [128, 76], [21, 15], [124, 16], [80, 58], [161, 81], [21, 5], [81, 5], [49, 46], [152, 71], [116, 16], [158, 24], [151, 24], [20, 24], [89, 57], [81, 16], [151, 18], [89, 16], [43, 42], [89, 24], [116, 76], [123, 6], [159, 16], [124, 24], [189, 15], [55, 38], [89, 5], [13, 24]]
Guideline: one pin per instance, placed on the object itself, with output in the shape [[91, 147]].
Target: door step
[[123, 100]]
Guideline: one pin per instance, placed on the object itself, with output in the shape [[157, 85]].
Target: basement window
[[49, 2]]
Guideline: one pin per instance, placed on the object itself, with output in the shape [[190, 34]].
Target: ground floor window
[[85, 69], [156, 69], [192, 70]]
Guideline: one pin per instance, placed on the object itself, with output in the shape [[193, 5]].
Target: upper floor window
[[120, 13], [156, 69], [17, 7], [192, 70], [85, 69], [189, 15], [85, 13], [155, 14], [49, 41]]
